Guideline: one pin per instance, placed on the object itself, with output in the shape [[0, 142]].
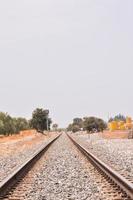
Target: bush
[[9, 125]]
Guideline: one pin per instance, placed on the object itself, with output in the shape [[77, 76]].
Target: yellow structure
[[121, 125], [129, 124], [113, 126], [129, 120]]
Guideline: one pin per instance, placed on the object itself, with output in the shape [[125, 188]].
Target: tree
[[90, 124], [119, 117], [78, 122], [69, 128], [102, 125], [40, 120], [49, 123], [20, 124], [75, 128], [76, 125], [55, 126], [6, 124], [9, 125], [93, 124], [2, 122]]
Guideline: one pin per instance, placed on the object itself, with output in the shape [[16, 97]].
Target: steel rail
[[22, 170], [119, 180]]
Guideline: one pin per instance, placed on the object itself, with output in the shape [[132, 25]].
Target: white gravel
[[16, 153], [62, 174], [118, 153]]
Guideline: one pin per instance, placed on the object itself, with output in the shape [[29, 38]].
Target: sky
[[72, 57]]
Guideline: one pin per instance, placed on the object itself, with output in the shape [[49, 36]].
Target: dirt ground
[[106, 134], [115, 134], [26, 139], [23, 135], [16, 137]]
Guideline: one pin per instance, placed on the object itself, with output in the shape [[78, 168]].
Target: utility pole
[[47, 112], [47, 123]]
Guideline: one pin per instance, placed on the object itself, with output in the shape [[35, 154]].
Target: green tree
[[75, 128], [78, 122], [49, 123], [102, 125], [69, 128], [93, 124], [2, 122], [20, 124], [119, 117], [40, 120], [9, 125], [76, 125], [6, 124], [55, 127]]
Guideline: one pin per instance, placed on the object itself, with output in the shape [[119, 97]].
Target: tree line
[[92, 124], [10, 125], [40, 121], [89, 124], [118, 117]]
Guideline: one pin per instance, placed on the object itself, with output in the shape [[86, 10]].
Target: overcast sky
[[74, 57]]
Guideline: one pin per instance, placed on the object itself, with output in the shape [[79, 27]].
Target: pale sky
[[74, 57]]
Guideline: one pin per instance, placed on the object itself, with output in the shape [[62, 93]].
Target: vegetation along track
[[63, 173], [7, 184], [115, 178]]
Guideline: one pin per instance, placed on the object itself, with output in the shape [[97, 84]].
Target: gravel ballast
[[118, 153], [63, 173], [14, 153]]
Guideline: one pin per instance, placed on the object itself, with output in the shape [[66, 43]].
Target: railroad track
[[122, 184], [8, 183], [117, 183]]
